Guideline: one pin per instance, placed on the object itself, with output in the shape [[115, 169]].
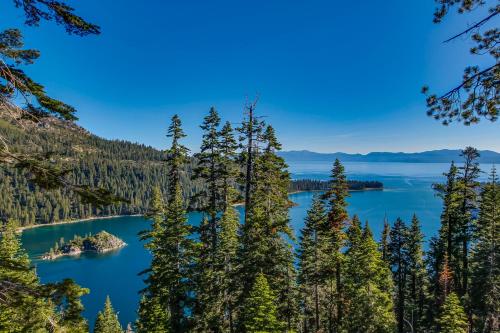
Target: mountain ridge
[[430, 156]]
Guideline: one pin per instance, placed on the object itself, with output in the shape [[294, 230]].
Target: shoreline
[[21, 229]]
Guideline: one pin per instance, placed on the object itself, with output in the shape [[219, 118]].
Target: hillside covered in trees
[[128, 170]]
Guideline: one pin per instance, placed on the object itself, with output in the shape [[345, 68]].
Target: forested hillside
[[127, 169]]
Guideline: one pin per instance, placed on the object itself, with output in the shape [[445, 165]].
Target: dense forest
[[321, 185], [127, 169]]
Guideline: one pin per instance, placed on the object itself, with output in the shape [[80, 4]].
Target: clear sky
[[331, 75]]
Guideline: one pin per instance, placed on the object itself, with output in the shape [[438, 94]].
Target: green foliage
[[312, 254], [260, 312], [172, 248], [485, 282], [107, 320], [128, 170], [476, 96], [25, 304], [368, 285], [264, 236], [452, 318]]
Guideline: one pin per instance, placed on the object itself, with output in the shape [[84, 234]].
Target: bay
[[407, 191]]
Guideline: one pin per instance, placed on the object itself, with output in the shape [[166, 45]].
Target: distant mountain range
[[433, 156]]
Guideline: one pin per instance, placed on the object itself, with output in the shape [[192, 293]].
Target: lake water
[[407, 190]]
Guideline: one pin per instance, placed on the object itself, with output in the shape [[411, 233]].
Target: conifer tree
[[214, 271], [336, 219], [226, 255], [416, 277], [368, 283], [384, 240], [450, 224], [311, 254], [485, 282], [452, 318], [172, 246], [208, 169], [467, 178], [399, 264], [25, 304], [152, 316], [260, 312], [264, 236], [107, 320]]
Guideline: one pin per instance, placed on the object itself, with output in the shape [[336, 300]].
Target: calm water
[[407, 191]]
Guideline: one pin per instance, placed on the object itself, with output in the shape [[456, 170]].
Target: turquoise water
[[407, 191]]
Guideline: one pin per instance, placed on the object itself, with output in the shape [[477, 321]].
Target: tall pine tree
[[336, 220], [311, 254], [485, 282], [107, 320], [368, 284], [172, 256], [398, 257], [260, 312]]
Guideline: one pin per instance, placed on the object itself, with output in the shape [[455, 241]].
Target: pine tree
[[452, 318], [416, 277], [449, 230], [208, 309], [226, 257], [264, 236], [311, 254], [384, 240], [369, 307], [399, 264], [25, 304], [152, 317], [467, 178], [260, 312], [336, 219], [208, 169], [168, 282], [107, 320], [485, 282]]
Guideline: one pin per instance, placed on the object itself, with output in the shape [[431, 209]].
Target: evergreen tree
[[450, 223], [452, 318], [208, 169], [311, 254], [416, 277], [399, 264], [25, 304], [485, 282], [260, 312], [168, 282], [264, 236], [107, 320], [369, 307], [467, 178], [336, 219], [384, 240]]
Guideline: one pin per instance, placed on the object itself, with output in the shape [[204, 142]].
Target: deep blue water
[[407, 190]]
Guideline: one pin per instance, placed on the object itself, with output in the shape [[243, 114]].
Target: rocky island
[[99, 243]]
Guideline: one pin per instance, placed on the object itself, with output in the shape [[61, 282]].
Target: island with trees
[[99, 243]]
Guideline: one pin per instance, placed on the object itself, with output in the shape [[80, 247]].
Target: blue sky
[[331, 75]]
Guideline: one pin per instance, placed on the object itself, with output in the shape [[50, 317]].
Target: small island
[[99, 243], [302, 185]]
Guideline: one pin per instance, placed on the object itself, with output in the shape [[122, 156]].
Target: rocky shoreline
[[99, 243]]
